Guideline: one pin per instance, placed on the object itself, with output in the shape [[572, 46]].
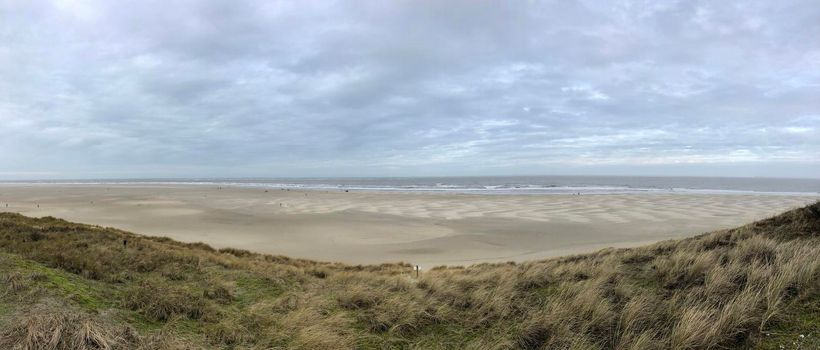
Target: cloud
[[254, 88]]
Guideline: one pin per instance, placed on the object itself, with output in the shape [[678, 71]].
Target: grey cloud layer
[[181, 88]]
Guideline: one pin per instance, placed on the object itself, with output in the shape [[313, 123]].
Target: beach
[[370, 227]]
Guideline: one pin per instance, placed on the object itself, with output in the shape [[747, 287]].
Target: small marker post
[[417, 271]]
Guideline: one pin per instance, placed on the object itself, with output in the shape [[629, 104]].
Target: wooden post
[[417, 271]]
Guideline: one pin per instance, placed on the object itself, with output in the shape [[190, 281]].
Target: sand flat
[[371, 227]]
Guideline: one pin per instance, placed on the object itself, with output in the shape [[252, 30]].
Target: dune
[[76, 286]]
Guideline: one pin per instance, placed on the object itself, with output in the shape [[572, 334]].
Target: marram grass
[[74, 286]]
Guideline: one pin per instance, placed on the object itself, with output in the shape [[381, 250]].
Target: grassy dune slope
[[70, 286]]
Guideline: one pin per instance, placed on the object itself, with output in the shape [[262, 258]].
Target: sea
[[496, 184]]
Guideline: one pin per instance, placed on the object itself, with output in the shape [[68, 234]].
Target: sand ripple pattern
[[577, 209]]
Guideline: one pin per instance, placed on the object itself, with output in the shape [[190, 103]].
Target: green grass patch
[[798, 329], [252, 288], [88, 294]]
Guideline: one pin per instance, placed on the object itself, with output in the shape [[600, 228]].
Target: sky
[[130, 89]]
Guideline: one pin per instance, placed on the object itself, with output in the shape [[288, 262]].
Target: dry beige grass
[[48, 327], [724, 289]]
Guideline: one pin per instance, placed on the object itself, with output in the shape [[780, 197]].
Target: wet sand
[[427, 229]]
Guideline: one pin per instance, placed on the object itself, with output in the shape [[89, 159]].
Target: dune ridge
[[74, 286]]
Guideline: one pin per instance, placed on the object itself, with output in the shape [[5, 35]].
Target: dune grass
[[74, 286]]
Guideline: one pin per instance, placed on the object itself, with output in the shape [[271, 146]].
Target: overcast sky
[[120, 89]]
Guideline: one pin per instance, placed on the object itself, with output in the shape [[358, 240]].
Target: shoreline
[[543, 191]]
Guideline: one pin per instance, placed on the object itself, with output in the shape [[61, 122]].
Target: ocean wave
[[438, 187]]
